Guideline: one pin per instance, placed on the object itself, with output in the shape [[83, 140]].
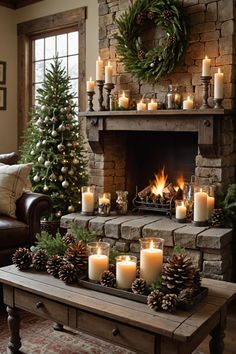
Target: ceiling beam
[[16, 4]]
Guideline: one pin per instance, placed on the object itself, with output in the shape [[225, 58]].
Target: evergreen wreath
[[150, 65]]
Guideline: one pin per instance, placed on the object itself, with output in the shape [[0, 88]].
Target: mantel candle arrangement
[[141, 106], [104, 204], [125, 271], [180, 211], [188, 103], [87, 200], [151, 258], [200, 206], [218, 89], [98, 260]]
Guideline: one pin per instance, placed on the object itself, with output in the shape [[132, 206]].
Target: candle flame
[[123, 94], [182, 203], [99, 58], [152, 100], [200, 189], [188, 99], [99, 251], [88, 189], [206, 57], [127, 258], [90, 79], [151, 245], [219, 71], [109, 64]]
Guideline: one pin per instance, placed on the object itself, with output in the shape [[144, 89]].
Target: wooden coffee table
[[120, 321]]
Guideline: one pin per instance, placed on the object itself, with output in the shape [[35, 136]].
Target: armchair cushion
[[13, 233], [13, 181]]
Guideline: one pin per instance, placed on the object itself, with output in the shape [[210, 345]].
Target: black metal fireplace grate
[[165, 207]]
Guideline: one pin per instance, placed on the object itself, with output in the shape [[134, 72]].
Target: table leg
[[14, 327], [216, 344]]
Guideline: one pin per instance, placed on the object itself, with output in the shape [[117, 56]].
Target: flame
[[151, 245], [127, 259], [99, 251], [180, 182], [159, 183]]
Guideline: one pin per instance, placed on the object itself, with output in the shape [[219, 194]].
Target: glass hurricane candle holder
[[87, 200], [210, 201], [173, 97], [180, 210], [98, 260], [121, 202], [123, 99], [125, 271], [188, 101], [151, 258], [104, 204], [200, 205]]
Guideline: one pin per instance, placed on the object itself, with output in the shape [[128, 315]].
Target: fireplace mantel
[[205, 122]]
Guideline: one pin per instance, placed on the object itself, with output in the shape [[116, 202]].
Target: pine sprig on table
[[81, 234], [52, 245]]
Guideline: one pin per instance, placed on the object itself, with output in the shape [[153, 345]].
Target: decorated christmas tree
[[54, 144]]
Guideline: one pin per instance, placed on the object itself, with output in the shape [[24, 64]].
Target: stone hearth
[[209, 248]]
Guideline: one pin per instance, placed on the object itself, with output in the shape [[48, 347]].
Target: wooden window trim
[[30, 29]]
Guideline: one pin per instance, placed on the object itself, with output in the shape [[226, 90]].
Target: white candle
[[103, 200], [108, 73], [141, 106], [125, 273], [97, 264], [152, 106], [151, 260], [200, 206], [87, 201], [218, 84], [90, 85], [210, 206], [206, 67], [99, 69], [188, 104], [123, 101], [180, 211]]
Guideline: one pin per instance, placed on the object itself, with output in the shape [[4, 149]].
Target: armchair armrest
[[30, 207]]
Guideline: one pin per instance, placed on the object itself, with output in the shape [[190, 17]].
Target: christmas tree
[[54, 144]]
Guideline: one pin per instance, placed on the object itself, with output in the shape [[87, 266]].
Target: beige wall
[[8, 52]]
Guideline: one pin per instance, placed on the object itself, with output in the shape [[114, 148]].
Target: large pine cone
[[39, 260], [108, 279], [22, 258], [169, 302], [167, 14], [69, 238], [76, 254], [139, 286], [186, 296], [53, 265], [178, 273], [68, 273], [154, 300], [217, 218]]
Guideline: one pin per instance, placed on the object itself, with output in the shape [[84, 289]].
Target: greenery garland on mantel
[[150, 65]]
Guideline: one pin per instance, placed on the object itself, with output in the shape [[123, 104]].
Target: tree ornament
[[64, 169], [70, 116], [44, 142], [71, 172], [46, 119], [62, 110], [71, 208], [54, 119], [36, 178], [139, 286], [169, 17], [154, 300], [39, 260], [53, 177], [75, 161], [169, 302], [38, 145], [77, 254], [53, 265], [108, 279], [45, 188], [69, 145], [22, 258], [58, 214], [44, 108], [41, 159], [65, 184], [61, 147], [39, 122], [68, 273], [32, 152], [54, 133], [61, 128], [60, 178], [47, 163]]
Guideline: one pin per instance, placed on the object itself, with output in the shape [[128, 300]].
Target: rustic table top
[[181, 325]]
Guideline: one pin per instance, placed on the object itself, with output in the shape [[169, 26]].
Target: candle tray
[[126, 294]]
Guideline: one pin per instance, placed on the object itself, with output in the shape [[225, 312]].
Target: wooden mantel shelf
[[205, 122]]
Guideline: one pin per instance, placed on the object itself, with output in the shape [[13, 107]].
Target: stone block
[[103, 9], [227, 28], [97, 224], [196, 18], [206, 162], [132, 230], [187, 236], [124, 4], [113, 227], [211, 12], [188, 3], [215, 267], [226, 45], [134, 247], [67, 219], [225, 10], [122, 246], [212, 48], [215, 238], [204, 27], [196, 50], [210, 36], [109, 240], [196, 257]]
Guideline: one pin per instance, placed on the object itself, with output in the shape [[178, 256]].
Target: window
[[39, 41]]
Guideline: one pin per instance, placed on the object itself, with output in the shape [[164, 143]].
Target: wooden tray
[[136, 297]]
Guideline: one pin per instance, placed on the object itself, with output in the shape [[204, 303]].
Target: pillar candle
[[125, 273], [152, 106], [210, 206], [141, 106], [151, 260], [97, 264], [200, 206], [87, 201], [206, 67], [123, 101], [218, 84], [90, 85], [103, 200], [108, 73], [180, 211], [188, 104], [99, 69]]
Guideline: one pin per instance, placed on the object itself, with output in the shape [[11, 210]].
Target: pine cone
[[69, 238], [141, 18], [186, 296], [167, 14], [22, 258], [108, 279], [76, 254], [139, 286], [217, 218], [53, 265], [68, 273], [39, 260], [170, 41], [151, 15], [169, 302], [141, 54], [178, 273], [154, 300], [112, 268]]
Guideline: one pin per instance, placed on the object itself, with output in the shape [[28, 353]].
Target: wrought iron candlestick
[[90, 95], [100, 84], [108, 87], [205, 81], [218, 103]]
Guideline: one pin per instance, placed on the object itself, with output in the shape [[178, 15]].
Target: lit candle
[[206, 66], [151, 260], [90, 85], [218, 84], [188, 104], [87, 201], [103, 200], [152, 106], [123, 101], [200, 206], [97, 264], [125, 271], [180, 211], [210, 206], [108, 73], [99, 69], [141, 106]]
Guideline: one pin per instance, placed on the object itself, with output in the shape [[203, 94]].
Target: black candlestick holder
[[108, 87], [205, 81], [100, 84], [218, 103], [90, 95]]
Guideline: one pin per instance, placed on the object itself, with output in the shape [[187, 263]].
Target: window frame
[[27, 32]]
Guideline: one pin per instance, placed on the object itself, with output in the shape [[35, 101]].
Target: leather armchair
[[20, 232]]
